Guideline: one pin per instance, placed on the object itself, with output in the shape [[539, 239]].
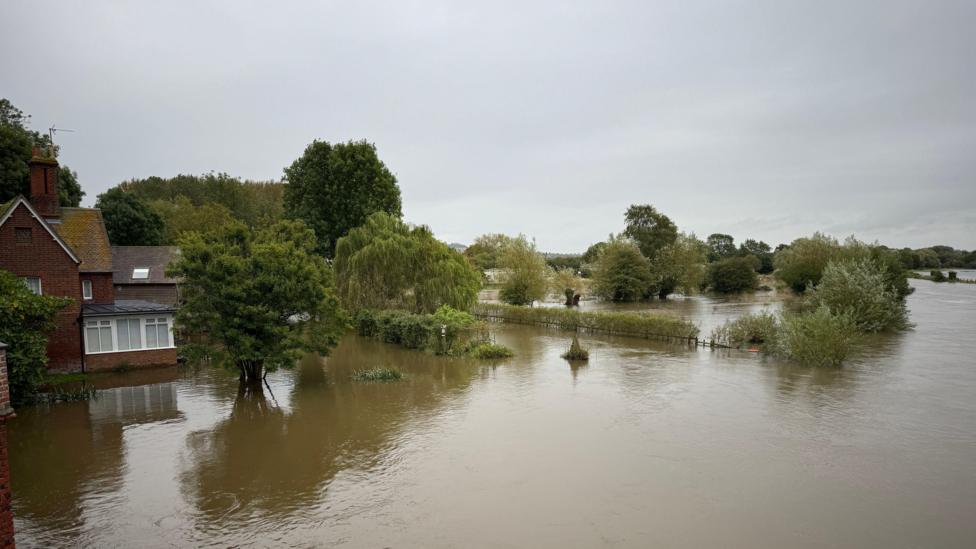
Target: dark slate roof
[[154, 258], [84, 230], [124, 307]]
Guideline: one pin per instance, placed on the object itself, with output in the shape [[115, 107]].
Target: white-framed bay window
[[128, 333]]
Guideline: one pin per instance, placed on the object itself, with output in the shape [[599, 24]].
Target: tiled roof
[[84, 230], [124, 307], [154, 258]]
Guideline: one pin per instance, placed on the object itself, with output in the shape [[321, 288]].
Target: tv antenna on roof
[[51, 131]]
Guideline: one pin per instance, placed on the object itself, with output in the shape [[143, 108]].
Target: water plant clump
[[623, 323], [576, 351], [378, 374], [751, 329], [63, 393], [488, 350]]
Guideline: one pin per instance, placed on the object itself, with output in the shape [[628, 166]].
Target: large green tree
[[622, 273], [260, 298], [733, 275], [26, 319], [720, 246], [16, 146], [486, 250], [335, 188], [526, 275], [181, 215], [255, 203], [650, 229], [679, 266], [761, 251], [128, 220], [387, 264]]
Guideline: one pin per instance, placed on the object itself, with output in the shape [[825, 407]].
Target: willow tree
[[259, 299], [387, 264]]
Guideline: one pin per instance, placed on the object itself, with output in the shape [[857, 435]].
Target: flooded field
[[650, 444]]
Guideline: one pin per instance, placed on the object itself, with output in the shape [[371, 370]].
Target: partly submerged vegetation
[[576, 351], [378, 374], [446, 332], [622, 323]]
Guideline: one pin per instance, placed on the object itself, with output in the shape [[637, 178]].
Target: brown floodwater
[[649, 444]]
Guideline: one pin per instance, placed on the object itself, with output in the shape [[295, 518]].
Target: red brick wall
[[45, 258], [103, 292], [44, 186], [137, 359], [6, 508]]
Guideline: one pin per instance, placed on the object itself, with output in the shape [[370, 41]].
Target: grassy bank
[[643, 325]]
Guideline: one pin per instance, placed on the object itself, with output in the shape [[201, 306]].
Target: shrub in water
[[487, 349], [818, 338], [937, 276], [378, 374], [576, 352], [751, 329], [624, 323], [858, 288], [735, 274]]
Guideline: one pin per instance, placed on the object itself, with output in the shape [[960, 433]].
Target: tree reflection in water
[[266, 463]]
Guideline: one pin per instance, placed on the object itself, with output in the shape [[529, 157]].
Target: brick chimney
[[44, 183]]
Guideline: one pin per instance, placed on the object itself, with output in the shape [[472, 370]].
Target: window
[[129, 336], [140, 273], [86, 289], [33, 284], [157, 333], [23, 235], [98, 336]]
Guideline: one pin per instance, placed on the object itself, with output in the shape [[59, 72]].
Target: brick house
[[66, 252], [139, 272]]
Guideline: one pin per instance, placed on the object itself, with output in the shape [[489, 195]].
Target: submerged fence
[[634, 324]]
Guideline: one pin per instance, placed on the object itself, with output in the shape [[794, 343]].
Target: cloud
[[761, 119]]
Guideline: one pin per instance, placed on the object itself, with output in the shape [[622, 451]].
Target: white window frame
[[40, 289], [112, 323], [137, 270], [86, 289]]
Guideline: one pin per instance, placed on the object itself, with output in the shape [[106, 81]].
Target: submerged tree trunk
[[251, 370]]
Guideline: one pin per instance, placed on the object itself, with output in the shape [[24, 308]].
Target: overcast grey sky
[[767, 119]]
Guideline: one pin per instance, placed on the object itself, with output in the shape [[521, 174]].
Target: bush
[[378, 374], [818, 338], [526, 273], [438, 332], [26, 319], [734, 274], [751, 329], [953, 276], [937, 276], [857, 288], [623, 323], [802, 263], [622, 273], [488, 350], [576, 352]]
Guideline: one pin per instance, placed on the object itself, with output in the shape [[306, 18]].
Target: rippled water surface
[[650, 444]]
